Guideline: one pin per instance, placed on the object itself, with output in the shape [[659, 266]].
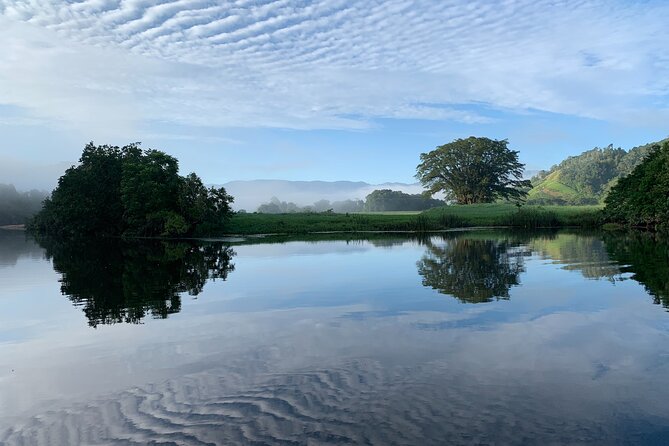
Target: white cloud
[[111, 65]]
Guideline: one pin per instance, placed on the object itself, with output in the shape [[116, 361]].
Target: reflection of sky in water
[[347, 335]]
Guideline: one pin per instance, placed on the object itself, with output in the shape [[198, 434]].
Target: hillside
[[586, 178]]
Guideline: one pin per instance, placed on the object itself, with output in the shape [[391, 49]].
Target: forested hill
[[17, 207], [586, 178]]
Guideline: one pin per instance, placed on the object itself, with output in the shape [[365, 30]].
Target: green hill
[[586, 178]]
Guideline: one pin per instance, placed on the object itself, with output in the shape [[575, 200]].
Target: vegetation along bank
[[130, 192]]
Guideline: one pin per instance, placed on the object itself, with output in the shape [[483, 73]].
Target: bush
[[642, 197]]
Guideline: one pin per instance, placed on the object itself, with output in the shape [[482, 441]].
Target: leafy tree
[[149, 192], [128, 191], [473, 170], [642, 197]]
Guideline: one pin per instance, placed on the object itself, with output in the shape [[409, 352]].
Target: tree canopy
[[473, 170], [134, 192], [642, 197]]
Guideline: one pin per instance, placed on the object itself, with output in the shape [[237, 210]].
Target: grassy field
[[446, 217], [496, 214], [551, 187]]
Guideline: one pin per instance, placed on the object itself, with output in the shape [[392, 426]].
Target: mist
[[251, 194], [17, 207], [28, 175]]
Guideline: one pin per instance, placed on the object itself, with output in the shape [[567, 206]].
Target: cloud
[[109, 65]]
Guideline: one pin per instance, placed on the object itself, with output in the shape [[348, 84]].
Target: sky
[[325, 90]]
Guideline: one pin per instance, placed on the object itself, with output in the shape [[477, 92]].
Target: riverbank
[[436, 219]]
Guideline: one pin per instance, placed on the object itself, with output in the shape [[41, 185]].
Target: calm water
[[477, 337]]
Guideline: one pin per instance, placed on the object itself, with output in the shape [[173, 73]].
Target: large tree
[[473, 170]]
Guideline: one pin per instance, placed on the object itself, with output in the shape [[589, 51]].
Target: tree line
[[128, 191], [380, 200]]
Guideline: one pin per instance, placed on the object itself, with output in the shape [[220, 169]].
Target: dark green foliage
[[383, 200], [150, 186], [470, 269], [115, 281], [473, 170], [586, 178], [642, 197], [127, 191], [17, 208]]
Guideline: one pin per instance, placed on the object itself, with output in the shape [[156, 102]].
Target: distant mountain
[[586, 178], [251, 194]]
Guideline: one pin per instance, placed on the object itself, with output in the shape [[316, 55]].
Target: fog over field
[[250, 194]]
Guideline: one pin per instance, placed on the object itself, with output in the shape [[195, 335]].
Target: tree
[[129, 191], [473, 170], [642, 197]]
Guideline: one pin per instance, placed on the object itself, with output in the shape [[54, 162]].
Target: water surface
[[471, 337]]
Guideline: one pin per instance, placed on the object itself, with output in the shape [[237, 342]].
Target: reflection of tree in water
[[471, 269], [646, 257], [117, 282]]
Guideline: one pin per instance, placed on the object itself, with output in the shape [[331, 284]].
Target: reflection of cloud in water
[[521, 382], [356, 402], [556, 364]]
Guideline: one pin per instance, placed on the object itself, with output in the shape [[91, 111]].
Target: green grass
[[551, 187], [504, 214], [302, 223], [433, 220]]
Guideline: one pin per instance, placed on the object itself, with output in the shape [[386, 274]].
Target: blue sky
[[331, 89]]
